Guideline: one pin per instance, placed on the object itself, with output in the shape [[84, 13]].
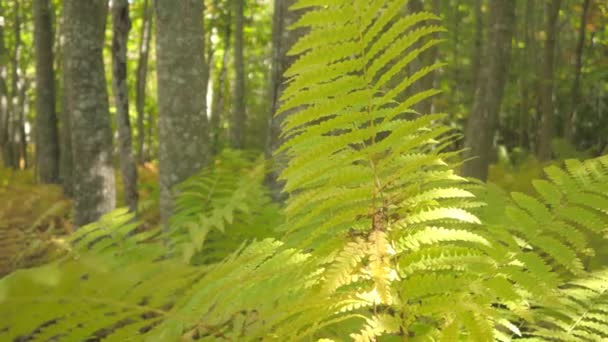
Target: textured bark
[[237, 125], [482, 123], [47, 136], [218, 104], [142, 77], [121, 25], [94, 184], [183, 138], [4, 110], [546, 88], [569, 120], [282, 40]]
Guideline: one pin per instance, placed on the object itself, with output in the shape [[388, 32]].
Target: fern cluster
[[379, 238]]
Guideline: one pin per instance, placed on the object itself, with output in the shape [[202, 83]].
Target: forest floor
[[34, 216]]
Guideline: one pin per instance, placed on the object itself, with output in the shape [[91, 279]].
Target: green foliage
[[223, 206], [581, 314], [381, 240]]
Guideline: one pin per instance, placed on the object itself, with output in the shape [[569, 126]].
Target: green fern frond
[[580, 315], [221, 207]]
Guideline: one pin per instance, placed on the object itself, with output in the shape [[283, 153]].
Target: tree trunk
[[237, 126], [426, 58], [282, 40], [15, 137], [66, 163], [183, 138], [528, 74], [121, 26], [478, 42], [218, 105], [141, 78], [482, 123], [94, 184], [546, 87], [47, 136], [4, 95], [569, 120]]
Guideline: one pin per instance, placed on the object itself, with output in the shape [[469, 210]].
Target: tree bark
[[569, 120], [478, 42], [141, 78], [94, 183], [16, 138], [546, 87], [482, 123], [218, 104], [66, 162], [282, 40], [121, 26], [4, 96], [47, 136], [527, 78], [237, 126], [183, 138]]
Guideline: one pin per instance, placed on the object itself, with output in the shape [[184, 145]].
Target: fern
[[381, 240], [221, 207], [371, 190], [580, 315]]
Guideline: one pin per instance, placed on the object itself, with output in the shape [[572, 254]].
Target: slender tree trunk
[[546, 87], [121, 26], [482, 123], [237, 126], [218, 105], [141, 78], [47, 136], [183, 138], [425, 59], [527, 77], [478, 42], [4, 95], [15, 139], [569, 120], [282, 40], [66, 162], [22, 160], [94, 183]]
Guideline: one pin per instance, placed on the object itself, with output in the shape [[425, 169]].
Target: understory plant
[[379, 239]]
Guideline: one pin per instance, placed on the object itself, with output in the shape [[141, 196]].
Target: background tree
[[546, 86], [568, 125], [94, 184], [483, 121], [183, 136], [4, 110], [121, 26], [239, 115], [47, 136], [142, 76]]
